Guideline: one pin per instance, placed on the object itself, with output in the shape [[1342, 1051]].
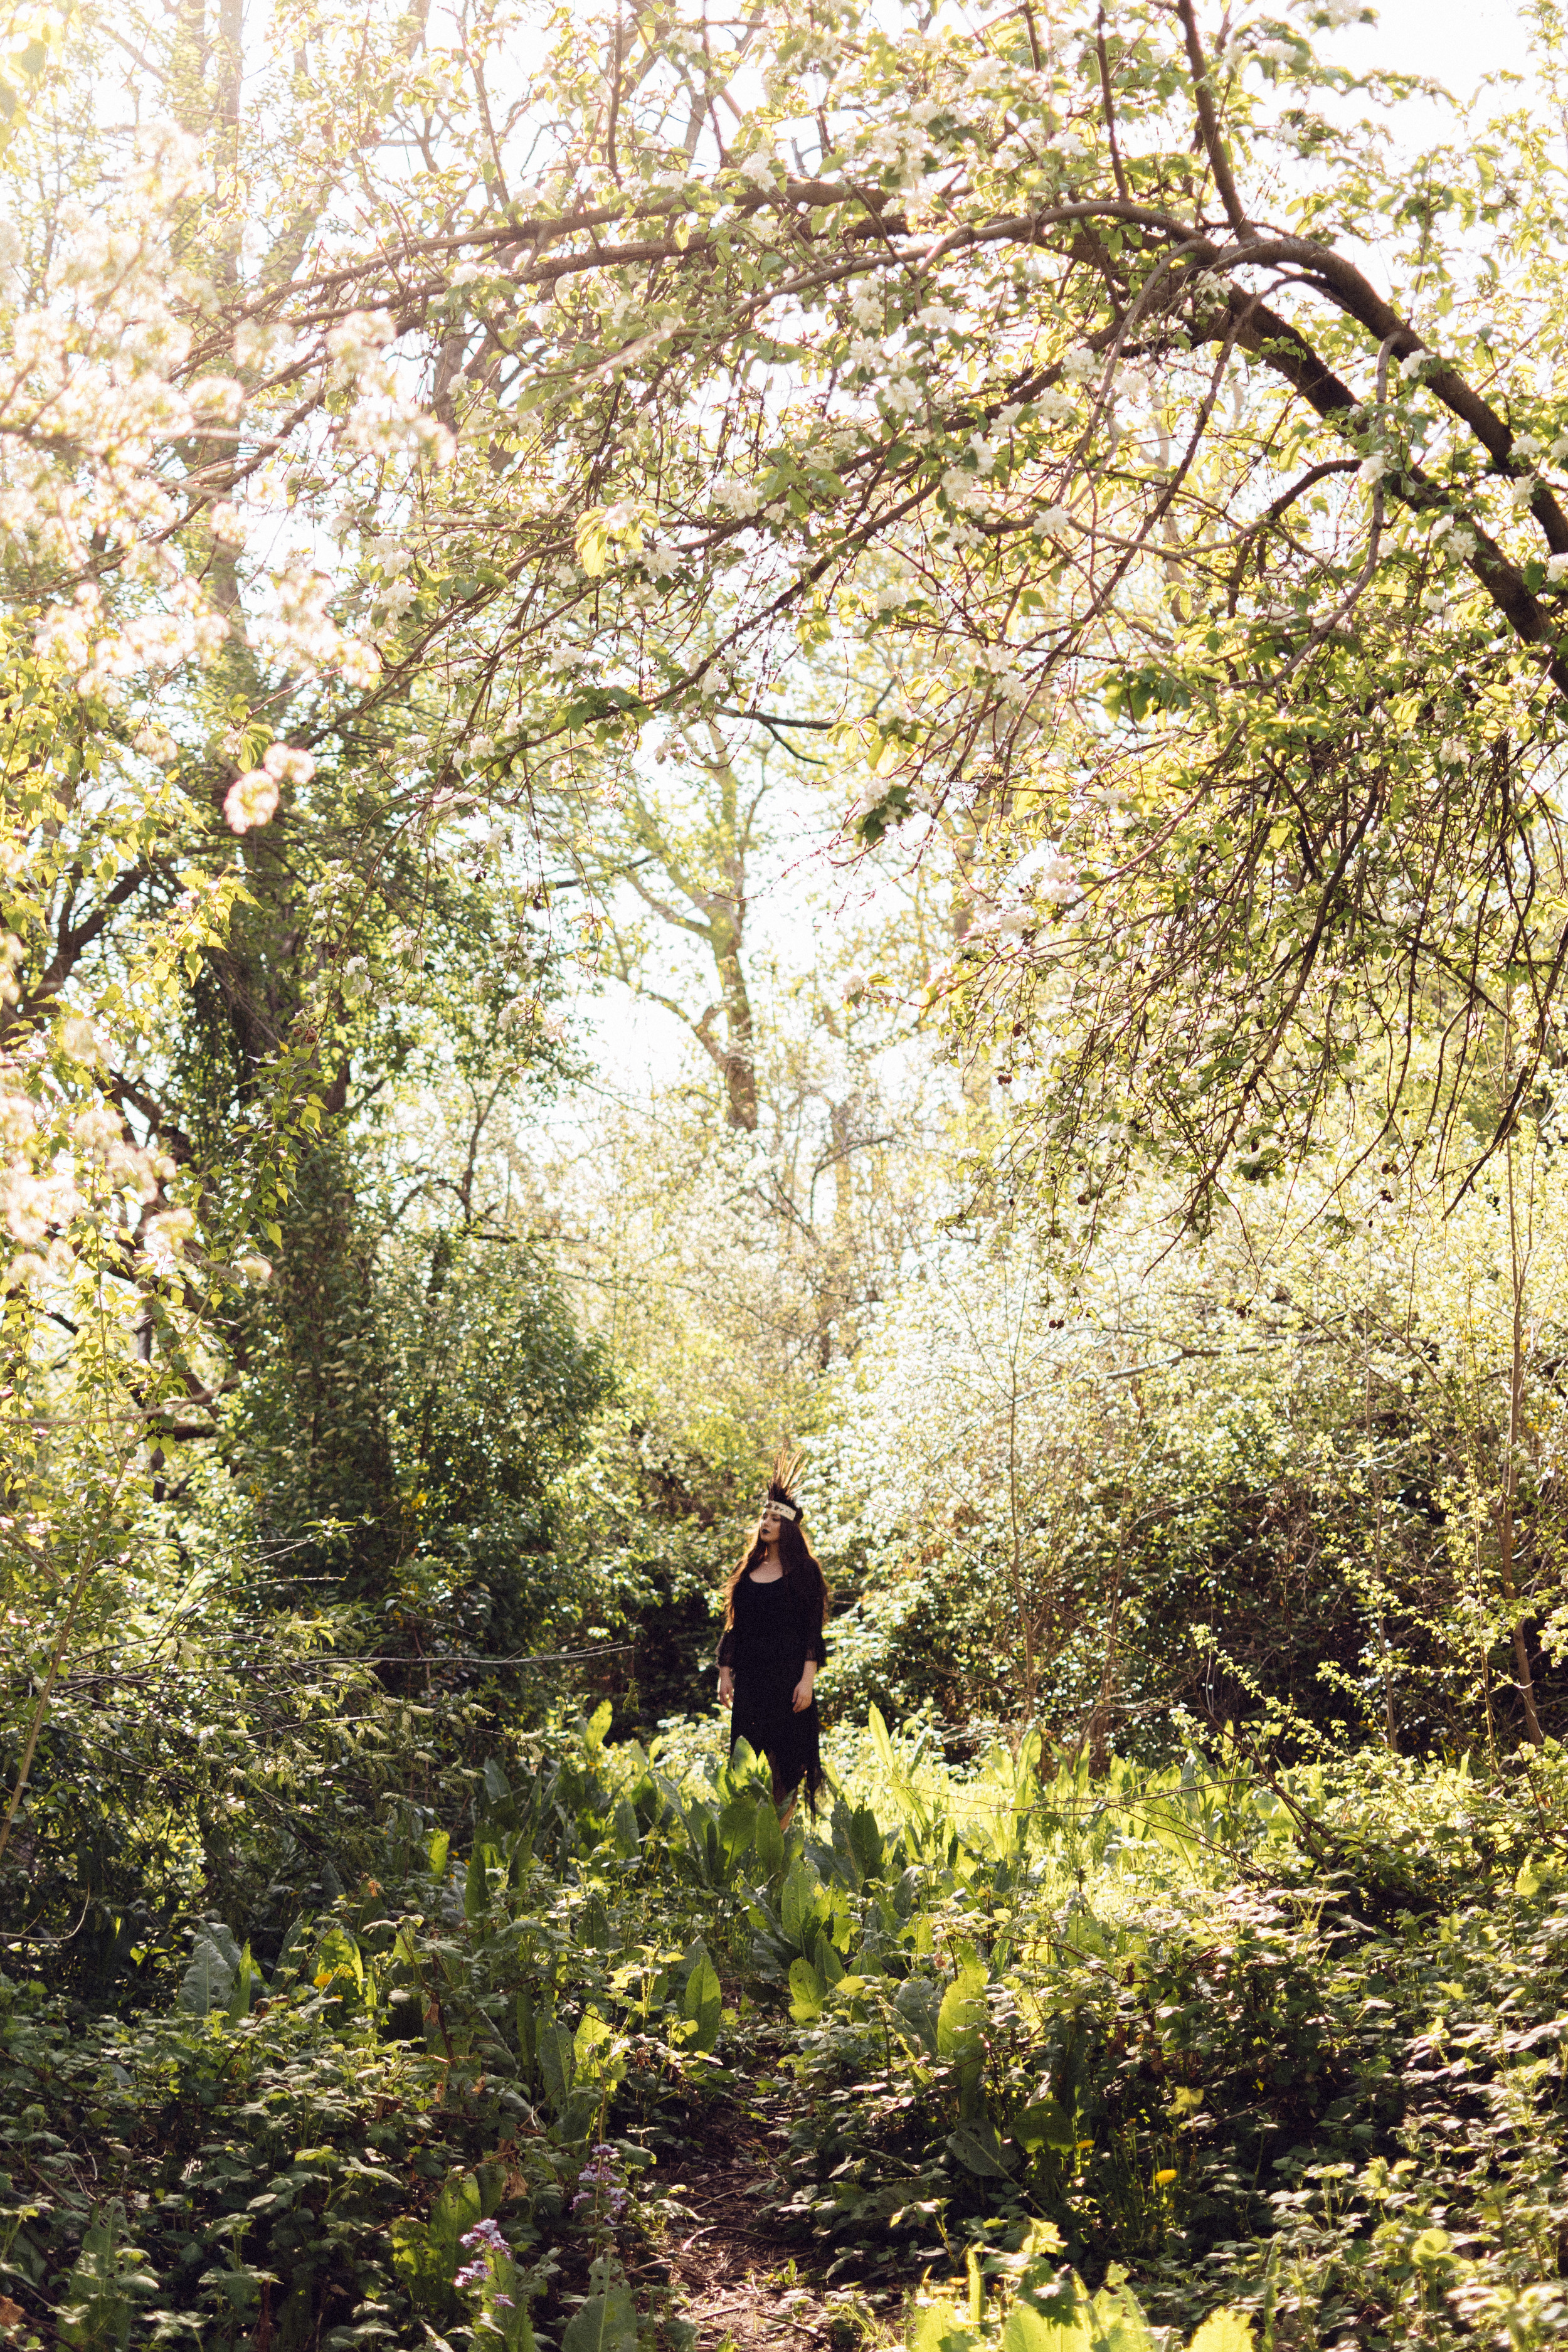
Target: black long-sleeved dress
[[776, 1629]]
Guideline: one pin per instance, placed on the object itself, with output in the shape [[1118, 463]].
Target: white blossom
[[217, 395], [79, 1038], [737, 497], [286, 764], [251, 800]]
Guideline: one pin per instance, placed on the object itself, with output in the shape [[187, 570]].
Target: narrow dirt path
[[738, 2282]]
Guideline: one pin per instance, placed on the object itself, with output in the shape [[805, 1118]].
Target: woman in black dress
[[775, 1605]]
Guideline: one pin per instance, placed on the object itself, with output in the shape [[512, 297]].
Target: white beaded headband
[[774, 1509]]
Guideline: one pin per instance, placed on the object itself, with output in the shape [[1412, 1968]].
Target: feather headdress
[[780, 1496]]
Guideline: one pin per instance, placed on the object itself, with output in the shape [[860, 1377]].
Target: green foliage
[[1285, 2045]]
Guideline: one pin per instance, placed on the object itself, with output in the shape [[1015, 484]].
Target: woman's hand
[[800, 1697], [726, 1685]]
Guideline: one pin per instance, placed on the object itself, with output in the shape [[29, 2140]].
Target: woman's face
[[768, 1531]]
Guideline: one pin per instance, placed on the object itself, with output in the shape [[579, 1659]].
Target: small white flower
[[481, 746], [1451, 752], [1051, 519], [217, 395], [1341, 12], [79, 1038], [97, 1129], [759, 169], [166, 1236], [1079, 366], [1410, 367], [1527, 449], [1373, 469], [1279, 53], [251, 799], [1557, 568], [224, 522], [287, 765], [464, 273], [254, 1269]]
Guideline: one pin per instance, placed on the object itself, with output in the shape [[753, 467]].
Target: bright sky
[[1458, 42]]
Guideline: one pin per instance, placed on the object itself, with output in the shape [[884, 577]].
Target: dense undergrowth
[[1291, 2047]]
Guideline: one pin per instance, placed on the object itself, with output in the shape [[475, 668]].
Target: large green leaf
[[979, 2150], [607, 2321], [103, 2289], [1046, 2124], [208, 1982], [557, 2061], [961, 2017], [1222, 2331], [916, 2004], [701, 2002], [807, 1992], [594, 2052], [943, 2327], [1030, 2329], [769, 1845]]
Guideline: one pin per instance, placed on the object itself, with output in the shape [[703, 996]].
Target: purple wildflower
[[484, 2242], [486, 2233], [600, 2183]]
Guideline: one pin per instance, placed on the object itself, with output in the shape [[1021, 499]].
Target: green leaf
[[243, 1977], [807, 1992], [1046, 2124], [209, 1980], [943, 2327], [962, 2016], [979, 2150], [701, 2002], [607, 2322], [426, 2255], [1226, 2330], [769, 1845], [557, 2061], [594, 2052]]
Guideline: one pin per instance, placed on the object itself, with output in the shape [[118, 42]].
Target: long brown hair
[[796, 1558]]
